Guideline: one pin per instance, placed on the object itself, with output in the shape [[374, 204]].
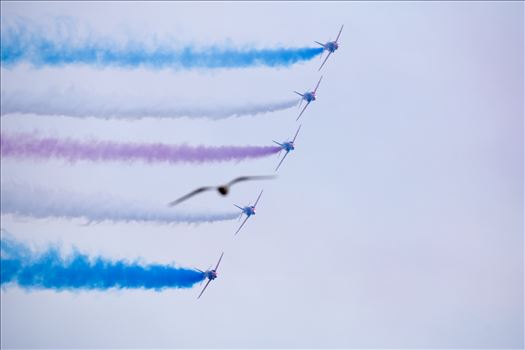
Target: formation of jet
[[210, 275], [248, 210], [330, 46], [287, 146], [222, 189], [308, 96]]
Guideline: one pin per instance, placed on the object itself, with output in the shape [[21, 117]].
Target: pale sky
[[396, 223]]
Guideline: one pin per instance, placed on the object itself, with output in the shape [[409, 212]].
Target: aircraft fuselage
[[331, 46], [309, 96], [211, 274], [249, 211], [288, 146]]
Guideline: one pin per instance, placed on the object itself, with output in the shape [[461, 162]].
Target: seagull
[[222, 189]]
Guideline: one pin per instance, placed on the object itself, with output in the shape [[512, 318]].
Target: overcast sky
[[396, 222]]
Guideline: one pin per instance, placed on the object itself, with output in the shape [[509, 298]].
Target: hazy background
[[397, 222]]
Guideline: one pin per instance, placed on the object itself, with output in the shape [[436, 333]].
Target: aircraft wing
[[191, 194], [281, 162], [300, 114], [319, 82], [242, 225], [297, 133], [340, 30], [325, 60], [257, 200], [203, 289], [218, 262]]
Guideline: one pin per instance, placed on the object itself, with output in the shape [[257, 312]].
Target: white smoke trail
[[74, 103], [30, 201]]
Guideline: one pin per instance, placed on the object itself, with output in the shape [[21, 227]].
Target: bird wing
[[191, 194], [250, 178]]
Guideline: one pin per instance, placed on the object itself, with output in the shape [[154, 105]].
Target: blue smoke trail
[[25, 44], [49, 270]]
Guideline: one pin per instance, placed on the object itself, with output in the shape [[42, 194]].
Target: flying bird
[[287, 146], [210, 275], [222, 189], [330, 46], [308, 96], [248, 210]]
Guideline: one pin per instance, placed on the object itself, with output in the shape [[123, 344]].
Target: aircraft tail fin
[[238, 207]]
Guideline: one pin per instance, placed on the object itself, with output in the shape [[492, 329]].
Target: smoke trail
[[81, 104], [49, 270], [33, 147], [28, 43], [40, 203]]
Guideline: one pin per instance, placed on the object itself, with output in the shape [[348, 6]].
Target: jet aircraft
[[330, 46], [308, 96], [248, 210], [287, 146], [210, 275]]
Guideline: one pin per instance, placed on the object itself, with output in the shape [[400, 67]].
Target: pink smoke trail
[[34, 147]]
